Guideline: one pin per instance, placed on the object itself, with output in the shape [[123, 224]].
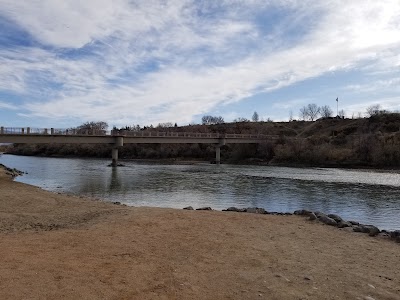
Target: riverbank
[[57, 246]]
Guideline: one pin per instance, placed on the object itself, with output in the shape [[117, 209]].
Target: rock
[[307, 278], [368, 298], [204, 208], [232, 208], [373, 230], [349, 229], [302, 212], [395, 234], [335, 217], [117, 203], [343, 224], [384, 234], [357, 228], [354, 223], [312, 216], [188, 208], [370, 229], [235, 209], [326, 220], [288, 214], [256, 210]]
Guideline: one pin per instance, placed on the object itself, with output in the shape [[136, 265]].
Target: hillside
[[373, 142]]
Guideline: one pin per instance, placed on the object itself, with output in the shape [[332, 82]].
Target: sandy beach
[[56, 246]]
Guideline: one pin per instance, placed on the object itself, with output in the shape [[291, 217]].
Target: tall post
[[218, 155], [1, 130]]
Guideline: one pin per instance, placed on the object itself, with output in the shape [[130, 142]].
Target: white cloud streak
[[157, 61]]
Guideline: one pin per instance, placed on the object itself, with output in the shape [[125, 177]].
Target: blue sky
[[65, 62]]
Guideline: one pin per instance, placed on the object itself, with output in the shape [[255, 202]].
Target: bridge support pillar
[[1, 130], [119, 142], [114, 154], [218, 155], [28, 130], [218, 150]]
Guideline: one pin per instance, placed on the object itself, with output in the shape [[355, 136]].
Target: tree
[[303, 113], [255, 117], [313, 111], [310, 112], [240, 120], [342, 114], [326, 111], [209, 120], [373, 110], [92, 127], [165, 125]]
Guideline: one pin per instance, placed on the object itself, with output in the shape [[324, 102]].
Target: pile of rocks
[[328, 219], [12, 172], [337, 221]]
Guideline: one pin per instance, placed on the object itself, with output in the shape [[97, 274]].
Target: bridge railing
[[80, 132]]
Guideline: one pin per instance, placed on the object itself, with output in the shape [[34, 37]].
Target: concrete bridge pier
[[114, 155], [119, 142], [218, 155], [218, 151]]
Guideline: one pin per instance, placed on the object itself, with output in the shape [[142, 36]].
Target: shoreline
[[356, 225], [79, 248]]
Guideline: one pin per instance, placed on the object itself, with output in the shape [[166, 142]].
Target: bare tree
[[209, 120], [342, 114], [373, 110], [240, 119], [165, 125], [255, 117], [92, 127], [290, 116], [303, 113], [310, 112], [313, 111], [326, 111]]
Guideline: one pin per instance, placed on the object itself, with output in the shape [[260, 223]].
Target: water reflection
[[364, 196]]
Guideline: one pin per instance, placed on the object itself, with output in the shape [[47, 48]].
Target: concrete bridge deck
[[118, 138]]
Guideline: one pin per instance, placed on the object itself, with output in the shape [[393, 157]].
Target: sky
[[125, 62]]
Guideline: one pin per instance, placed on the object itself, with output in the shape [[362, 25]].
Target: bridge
[[118, 138]]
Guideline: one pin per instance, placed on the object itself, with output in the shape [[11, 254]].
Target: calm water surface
[[365, 196]]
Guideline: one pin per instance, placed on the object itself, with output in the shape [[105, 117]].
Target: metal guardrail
[[126, 133]]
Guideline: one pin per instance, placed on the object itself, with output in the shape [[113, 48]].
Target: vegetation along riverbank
[[57, 246]]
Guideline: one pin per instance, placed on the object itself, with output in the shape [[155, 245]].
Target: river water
[[370, 197]]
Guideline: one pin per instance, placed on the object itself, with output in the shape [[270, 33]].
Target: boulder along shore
[[57, 246]]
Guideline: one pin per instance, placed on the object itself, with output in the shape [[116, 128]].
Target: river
[[370, 197]]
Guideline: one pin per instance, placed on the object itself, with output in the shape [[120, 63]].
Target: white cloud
[[159, 61], [5, 105]]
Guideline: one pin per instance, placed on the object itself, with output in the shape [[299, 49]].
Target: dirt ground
[[64, 247]]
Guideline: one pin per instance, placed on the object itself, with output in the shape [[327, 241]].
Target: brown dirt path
[[87, 249]]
